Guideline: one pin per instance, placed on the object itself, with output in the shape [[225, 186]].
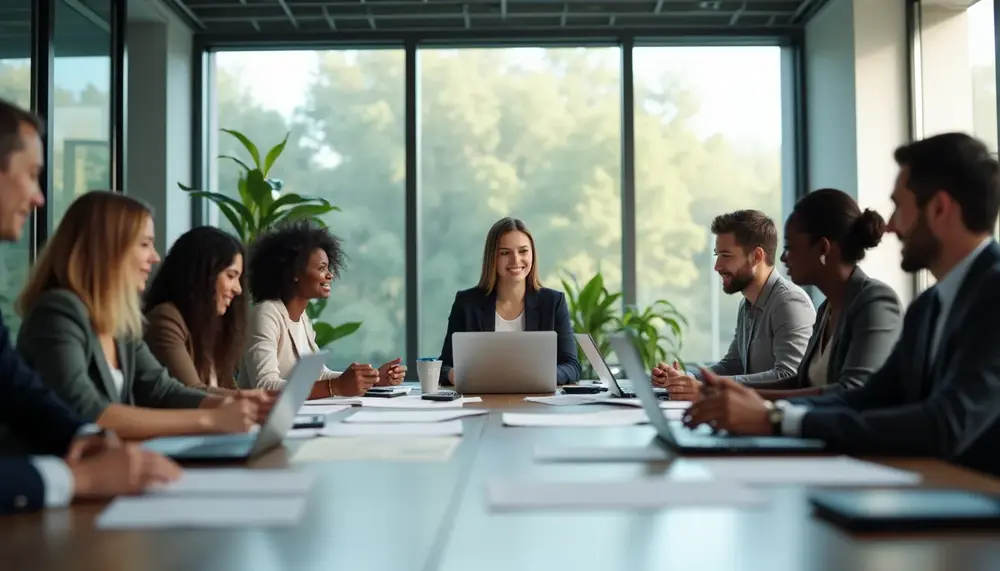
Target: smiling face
[[314, 282], [19, 190], [514, 257], [142, 255], [227, 285], [910, 223], [802, 254], [732, 263]]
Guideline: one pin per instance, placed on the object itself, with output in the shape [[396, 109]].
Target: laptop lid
[[593, 353], [494, 362], [630, 359], [300, 383]]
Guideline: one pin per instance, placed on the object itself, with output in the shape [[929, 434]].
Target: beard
[[920, 247], [738, 281]]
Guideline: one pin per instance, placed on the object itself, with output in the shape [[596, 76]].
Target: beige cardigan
[[270, 351]]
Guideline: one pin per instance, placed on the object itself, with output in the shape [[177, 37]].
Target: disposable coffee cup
[[429, 373]]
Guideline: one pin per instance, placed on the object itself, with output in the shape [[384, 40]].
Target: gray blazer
[[771, 336], [57, 339], [863, 337]]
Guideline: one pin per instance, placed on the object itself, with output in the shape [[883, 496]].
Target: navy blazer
[[35, 417], [544, 310], [947, 409]]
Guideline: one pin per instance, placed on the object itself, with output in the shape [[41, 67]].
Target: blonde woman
[[510, 297], [82, 328]]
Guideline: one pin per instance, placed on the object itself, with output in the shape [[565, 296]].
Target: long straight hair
[[88, 256], [488, 275]]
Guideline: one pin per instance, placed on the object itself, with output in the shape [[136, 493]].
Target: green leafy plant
[[263, 205], [658, 328]]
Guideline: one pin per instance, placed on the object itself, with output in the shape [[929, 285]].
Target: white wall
[[159, 119], [857, 98]]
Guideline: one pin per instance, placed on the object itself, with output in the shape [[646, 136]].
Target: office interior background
[[616, 129]]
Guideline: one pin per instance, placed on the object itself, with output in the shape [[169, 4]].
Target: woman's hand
[[391, 373], [356, 380], [233, 415]]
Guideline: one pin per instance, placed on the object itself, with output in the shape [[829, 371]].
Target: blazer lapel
[[100, 360], [855, 284], [127, 368], [487, 313], [813, 341], [531, 317]]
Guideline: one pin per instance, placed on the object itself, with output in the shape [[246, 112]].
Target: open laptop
[[494, 362], [618, 389], [246, 446], [701, 440]]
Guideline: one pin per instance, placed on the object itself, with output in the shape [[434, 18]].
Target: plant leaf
[[236, 160], [312, 211], [250, 147], [259, 191], [219, 198], [186, 187], [234, 219], [273, 154]]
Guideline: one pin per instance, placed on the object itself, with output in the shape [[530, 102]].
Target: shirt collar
[[948, 286], [765, 292]]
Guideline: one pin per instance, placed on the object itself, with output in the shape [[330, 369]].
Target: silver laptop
[[494, 362], [701, 440], [246, 446], [618, 389]]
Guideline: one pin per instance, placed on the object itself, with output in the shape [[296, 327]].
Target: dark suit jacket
[[57, 338], [947, 409], [544, 310], [865, 332], [37, 418]]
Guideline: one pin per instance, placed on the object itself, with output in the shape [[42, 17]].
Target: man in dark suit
[[94, 463], [938, 393]]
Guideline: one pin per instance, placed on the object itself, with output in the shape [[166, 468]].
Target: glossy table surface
[[412, 515]]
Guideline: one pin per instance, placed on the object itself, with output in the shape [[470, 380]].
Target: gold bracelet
[[329, 386]]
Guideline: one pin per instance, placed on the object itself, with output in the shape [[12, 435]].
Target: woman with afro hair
[[290, 265]]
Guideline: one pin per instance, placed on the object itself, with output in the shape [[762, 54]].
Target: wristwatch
[[775, 415]]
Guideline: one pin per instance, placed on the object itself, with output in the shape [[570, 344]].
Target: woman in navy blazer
[[510, 297]]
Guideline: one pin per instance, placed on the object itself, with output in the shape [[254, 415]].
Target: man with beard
[[775, 319], [938, 393], [74, 460]]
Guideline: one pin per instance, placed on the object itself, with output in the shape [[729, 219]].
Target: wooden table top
[[433, 515]]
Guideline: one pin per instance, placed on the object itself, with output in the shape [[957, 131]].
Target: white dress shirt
[[516, 324], [57, 478]]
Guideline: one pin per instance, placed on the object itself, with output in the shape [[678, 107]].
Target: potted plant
[[262, 205]]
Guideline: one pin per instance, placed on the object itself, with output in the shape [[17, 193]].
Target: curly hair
[[187, 278], [281, 254]]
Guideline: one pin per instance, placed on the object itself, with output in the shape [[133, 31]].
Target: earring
[[822, 259], [295, 279]]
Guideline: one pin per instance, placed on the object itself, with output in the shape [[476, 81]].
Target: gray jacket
[[771, 336]]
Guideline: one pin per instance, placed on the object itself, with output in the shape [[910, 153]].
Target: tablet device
[[909, 509]]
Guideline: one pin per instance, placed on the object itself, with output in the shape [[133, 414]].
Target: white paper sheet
[[378, 448], [238, 482], [322, 408], [625, 417], [819, 471], [369, 416], [620, 495], [146, 512], [301, 433], [571, 400], [549, 453], [449, 428], [409, 401]]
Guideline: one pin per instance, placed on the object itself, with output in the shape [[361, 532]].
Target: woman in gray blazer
[[82, 328], [857, 325]]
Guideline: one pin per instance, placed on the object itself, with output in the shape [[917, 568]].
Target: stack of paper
[[819, 471], [605, 398], [645, 494], [378, 448], [215, 498], [409, 401], [369, 416], [409, 429], [625, 417]]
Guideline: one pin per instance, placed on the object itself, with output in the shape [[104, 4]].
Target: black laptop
[[701, 440]]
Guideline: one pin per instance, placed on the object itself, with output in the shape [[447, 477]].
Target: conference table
[[414, 515]]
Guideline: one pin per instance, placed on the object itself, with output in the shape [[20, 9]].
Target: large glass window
[[15, 86], [344, 111], [532, 133], [707, 141], [81, 116]]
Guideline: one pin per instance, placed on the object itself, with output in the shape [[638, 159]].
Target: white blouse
[[516, 324]]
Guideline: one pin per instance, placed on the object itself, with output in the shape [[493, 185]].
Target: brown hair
[[752, 229], [12, 118], [488, 275], [87, 255]]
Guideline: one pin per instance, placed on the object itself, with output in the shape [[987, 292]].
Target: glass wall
[[81, 114], [344, 113], [708, 125], [533, 133], [15, 86], [536, 136]]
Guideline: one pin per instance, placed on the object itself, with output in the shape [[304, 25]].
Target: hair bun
[[868, 229]]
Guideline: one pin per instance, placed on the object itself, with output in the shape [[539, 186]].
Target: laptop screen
[[631, 361]]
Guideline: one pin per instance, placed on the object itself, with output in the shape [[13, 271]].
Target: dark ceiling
[[382, 17]]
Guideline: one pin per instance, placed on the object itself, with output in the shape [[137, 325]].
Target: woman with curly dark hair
[[196, 301], [289, 266]]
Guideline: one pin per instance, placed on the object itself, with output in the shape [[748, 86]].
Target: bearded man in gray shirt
[[775, 319]]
